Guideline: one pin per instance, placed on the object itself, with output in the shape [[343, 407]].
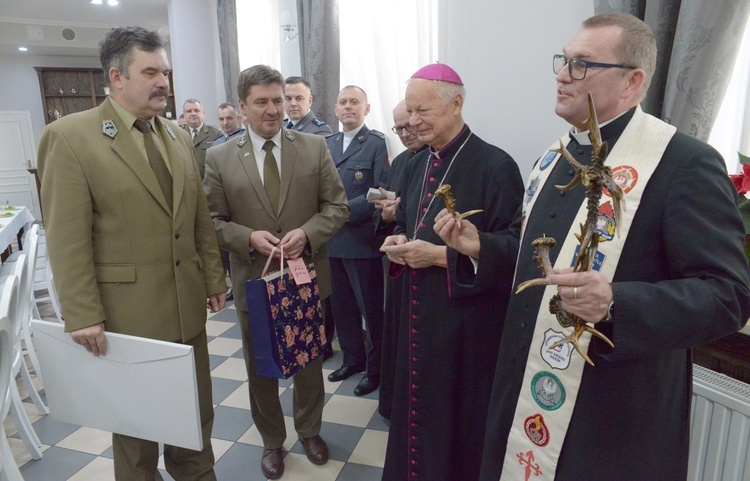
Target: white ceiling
[[38, 24]]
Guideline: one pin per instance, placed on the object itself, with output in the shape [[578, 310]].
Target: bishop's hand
[[464, 237]]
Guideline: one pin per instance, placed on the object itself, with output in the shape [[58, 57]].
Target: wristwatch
[[610, 312]]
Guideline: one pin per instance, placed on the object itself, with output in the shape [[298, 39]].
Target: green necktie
[[271, 180], [156, 161]]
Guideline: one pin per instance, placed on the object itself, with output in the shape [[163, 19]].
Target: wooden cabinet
[[68, 90]]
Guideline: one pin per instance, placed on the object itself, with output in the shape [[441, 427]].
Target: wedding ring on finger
[[575, 292]]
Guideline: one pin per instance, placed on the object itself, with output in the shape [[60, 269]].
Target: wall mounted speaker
[[68, 34]]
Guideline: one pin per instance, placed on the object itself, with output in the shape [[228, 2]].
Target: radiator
[[720, 428]]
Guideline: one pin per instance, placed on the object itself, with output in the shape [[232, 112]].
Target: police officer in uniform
[[361, 158], [299, 99]]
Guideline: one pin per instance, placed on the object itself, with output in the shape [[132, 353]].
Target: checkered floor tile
[[356, 434]]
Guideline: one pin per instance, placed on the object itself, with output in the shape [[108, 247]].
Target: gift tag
[[298, 268]]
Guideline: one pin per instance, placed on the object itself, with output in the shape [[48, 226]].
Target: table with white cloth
[[13, 219]]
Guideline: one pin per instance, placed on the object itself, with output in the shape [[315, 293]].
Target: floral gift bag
[[285, 321]]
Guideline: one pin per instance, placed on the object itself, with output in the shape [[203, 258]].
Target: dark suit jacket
[[362, 166], [312, 198], [119, 255], [202, 141], [681, 281], [309, 124]]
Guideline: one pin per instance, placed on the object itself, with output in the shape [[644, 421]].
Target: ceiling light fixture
[[113, 3], [23, 49], [95, 2]]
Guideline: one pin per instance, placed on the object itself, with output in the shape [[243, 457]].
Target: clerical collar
[[452, 146], [583, 137]]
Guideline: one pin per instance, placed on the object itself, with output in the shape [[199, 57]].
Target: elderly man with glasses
[[668, 273]]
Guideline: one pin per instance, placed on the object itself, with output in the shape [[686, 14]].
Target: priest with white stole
[[448, 332], [669, 273]]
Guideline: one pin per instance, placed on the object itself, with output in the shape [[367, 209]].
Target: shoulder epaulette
[[331, 134], [378, 133], [318, 122]]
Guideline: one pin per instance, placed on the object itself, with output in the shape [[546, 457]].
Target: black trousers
[[357, 293]]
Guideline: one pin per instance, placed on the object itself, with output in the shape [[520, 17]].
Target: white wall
[[503, 52], [196, 55], [20, 83]]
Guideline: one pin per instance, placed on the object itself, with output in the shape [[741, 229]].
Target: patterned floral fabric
[[297, 321]]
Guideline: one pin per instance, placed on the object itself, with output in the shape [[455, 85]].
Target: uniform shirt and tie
[[259, 150]]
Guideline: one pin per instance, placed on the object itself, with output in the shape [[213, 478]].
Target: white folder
[[142, 388]]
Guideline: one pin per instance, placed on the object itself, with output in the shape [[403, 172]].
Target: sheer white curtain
[[731, 131], [382, 44], [258, 33]]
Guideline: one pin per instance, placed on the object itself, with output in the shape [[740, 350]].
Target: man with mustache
[[129, 236]]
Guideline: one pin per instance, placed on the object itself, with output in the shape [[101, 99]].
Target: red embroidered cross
[[527, 460]]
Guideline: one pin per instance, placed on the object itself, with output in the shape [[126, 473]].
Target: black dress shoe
[[315, 449], [272, 463], [367, 385], [345, 372]]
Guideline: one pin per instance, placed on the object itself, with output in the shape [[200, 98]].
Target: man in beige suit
[[275, 187], [129, 236]]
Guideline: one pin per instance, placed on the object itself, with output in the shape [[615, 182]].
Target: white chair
[[26, 286], [53, 299], [11, 307], [8, 468]]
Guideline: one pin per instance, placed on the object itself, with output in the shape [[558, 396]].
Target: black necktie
[[156, 161], [289, 125], [271, 180]]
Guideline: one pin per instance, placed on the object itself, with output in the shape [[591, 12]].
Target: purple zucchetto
[[438, 71]]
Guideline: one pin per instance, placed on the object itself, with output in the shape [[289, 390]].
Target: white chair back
[[6, 363], [27, 282], [8, 468], [11, 304], [53, 299], [11, 307]]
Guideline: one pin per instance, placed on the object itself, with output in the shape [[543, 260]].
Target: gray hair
[[116, 48]]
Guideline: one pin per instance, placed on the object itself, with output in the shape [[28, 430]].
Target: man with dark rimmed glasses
[[655, 289]]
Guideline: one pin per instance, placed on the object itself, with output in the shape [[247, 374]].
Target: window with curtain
[[731, 131], [259, 44], [382, 44]]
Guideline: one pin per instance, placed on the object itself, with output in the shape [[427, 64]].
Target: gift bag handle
[[270, 256]]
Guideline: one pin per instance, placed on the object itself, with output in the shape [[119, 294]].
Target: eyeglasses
[[577, 67], [399, 129]]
